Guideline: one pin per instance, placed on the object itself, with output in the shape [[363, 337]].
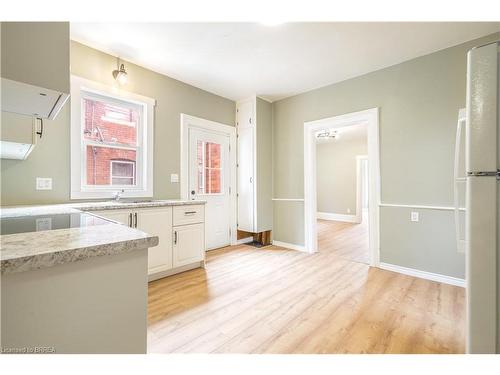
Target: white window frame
[[114, 161], [80, 87]]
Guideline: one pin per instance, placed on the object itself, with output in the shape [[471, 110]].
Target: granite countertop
[[92, 206], [34, 250]]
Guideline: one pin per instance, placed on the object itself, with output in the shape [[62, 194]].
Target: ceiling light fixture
[[120, 74], [327, 134]]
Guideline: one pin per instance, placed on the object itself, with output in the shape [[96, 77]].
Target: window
[[122, 172], [209, 168], [112, 144]]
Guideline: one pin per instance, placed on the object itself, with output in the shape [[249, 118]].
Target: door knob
[[193, 193]]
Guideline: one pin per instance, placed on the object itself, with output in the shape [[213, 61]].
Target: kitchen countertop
[[34, 250], [91, 206]]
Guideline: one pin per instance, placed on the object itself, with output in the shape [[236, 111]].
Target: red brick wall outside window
[[209, 167], [109, 125]]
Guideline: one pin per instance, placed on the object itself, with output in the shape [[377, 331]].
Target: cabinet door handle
[[175, 237], [135, 219], [189, 212], [130, 220]]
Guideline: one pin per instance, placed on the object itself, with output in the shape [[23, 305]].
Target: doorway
[[208, 173], [342, 186], [370, 119]]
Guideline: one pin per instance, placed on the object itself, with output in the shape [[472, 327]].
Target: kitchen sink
[[135, 201]]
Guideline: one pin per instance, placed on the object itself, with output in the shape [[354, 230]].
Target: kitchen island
[[74, 282]]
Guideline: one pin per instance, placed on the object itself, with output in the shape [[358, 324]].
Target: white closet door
[[246, 181]]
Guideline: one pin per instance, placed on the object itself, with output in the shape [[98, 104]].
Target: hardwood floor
[[346, 240], [274, 300]]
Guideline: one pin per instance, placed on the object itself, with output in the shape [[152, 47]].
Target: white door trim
[[192, 122], [359, 188], [369, 117]]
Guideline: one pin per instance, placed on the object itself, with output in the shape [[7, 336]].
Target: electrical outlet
[[174, 177], [348, 210], [414, 216], [44, 223], [43, 183]]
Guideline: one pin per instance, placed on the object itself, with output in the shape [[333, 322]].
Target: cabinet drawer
[[190, 214]]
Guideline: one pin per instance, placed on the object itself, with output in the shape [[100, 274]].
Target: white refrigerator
[[481, 218]]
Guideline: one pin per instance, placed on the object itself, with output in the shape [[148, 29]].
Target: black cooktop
[[26, 224]]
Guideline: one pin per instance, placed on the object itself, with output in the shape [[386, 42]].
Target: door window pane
[[209, 168], [110, 166]]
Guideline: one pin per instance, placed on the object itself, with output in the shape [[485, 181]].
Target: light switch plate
[[414, 216], [174, 177], [43, 183]]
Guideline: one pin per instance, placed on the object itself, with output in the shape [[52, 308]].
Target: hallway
[[346, 240]]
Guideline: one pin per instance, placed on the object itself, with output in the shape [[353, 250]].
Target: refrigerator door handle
[[485, 174], [457, 180]]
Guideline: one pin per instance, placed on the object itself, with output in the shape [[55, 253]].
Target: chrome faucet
[[118, 195]]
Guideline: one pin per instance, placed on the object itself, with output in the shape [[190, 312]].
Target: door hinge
[[229, 190]]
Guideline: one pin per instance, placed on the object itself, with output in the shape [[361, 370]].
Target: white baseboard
[[289, 246], [161, 274], [244, 240], [337, 217], [423, 274]]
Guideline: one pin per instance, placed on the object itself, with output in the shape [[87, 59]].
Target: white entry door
[[209, 180]]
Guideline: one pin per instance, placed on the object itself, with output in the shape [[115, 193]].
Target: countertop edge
[[59, 257]]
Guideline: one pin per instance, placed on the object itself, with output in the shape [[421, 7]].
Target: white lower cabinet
[[157, 221], [179, 245], [188, 240], [121, 216]]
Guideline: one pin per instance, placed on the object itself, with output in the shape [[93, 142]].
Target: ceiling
[[237, 60]]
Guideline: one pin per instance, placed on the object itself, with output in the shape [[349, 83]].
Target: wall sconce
[[120, 74]]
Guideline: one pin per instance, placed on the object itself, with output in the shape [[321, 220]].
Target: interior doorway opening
[[342, 192], [369, 119]]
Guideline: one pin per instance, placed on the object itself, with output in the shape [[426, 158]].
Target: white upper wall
[[238, 60]]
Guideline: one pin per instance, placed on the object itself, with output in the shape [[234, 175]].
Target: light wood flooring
[[346, 240], [275, 300]]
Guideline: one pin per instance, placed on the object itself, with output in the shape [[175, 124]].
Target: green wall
[[264, 168], [336, 174], [419, 102], [51, 157]]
